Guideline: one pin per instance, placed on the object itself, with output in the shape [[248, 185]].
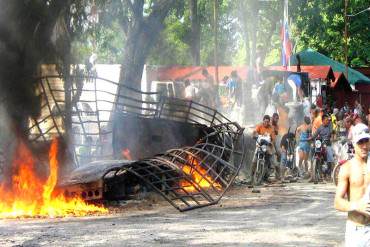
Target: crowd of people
[[225, 96], [333, 126]]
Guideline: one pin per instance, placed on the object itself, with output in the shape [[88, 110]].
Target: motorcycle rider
[[265, 128], [325, 131]]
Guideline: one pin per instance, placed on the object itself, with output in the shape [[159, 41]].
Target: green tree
[[319, 24]]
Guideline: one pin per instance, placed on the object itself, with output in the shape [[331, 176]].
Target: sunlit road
[[296, 215]]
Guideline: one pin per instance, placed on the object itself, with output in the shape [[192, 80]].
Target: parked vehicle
[[169, 88], [263, 162], [343, 158], [319, 164], [291, 157]]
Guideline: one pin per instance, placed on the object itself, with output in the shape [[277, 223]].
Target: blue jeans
[[283, 158], [329, 154]]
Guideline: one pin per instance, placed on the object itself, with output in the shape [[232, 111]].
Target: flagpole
[[286, 17]]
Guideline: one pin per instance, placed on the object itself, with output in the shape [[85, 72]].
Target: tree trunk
[[141, 37], [253, 34], [195, 32]]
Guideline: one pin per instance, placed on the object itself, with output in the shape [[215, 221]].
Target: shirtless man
[[353, 195]]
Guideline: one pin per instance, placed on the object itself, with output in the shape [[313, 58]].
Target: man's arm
[[341, 203], [315, 134], [297, 133], [255, 131]]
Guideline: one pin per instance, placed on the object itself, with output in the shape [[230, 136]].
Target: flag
[[286, 49]]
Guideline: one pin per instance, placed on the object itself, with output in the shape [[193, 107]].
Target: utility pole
[[215, 30], [346, 37]]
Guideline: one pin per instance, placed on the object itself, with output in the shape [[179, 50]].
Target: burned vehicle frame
[[127, 140]]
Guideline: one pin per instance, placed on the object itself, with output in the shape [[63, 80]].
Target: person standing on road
[[302, 134], [352, 193], [275, 123], [190, 90], [212, 89], [279, 169]]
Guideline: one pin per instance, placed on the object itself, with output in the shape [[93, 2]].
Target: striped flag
[[286, 50]]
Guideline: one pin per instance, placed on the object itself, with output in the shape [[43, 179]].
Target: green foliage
[[319, 24], [107, 43], [173, 44]]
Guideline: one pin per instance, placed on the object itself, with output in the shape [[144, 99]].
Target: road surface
[[298, 214]]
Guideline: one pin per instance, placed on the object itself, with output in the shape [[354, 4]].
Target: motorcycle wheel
[[335, 174], [259, 172], [295, 172], [316, 171]]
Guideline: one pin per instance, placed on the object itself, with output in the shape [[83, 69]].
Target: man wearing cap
[[352, 193]]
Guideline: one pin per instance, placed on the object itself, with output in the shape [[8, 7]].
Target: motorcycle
[[262, 166], [350, 152], [319, 164], [291, 157]]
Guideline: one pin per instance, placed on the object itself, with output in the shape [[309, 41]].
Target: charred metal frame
[[219, 152]]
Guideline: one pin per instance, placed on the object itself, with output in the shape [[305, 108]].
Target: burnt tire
[[335, 174], [259, 172]]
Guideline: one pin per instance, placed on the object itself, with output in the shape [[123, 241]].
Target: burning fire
[[199, 175], [126, 154], [29, 196]]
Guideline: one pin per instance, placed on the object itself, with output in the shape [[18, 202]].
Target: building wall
[[364, 93]]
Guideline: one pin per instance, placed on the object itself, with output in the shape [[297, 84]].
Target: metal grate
[[188, 177], [192, 177]]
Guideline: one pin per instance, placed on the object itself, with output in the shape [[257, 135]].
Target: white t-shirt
[[190, 92]]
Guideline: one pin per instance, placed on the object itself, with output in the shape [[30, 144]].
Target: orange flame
[[126, 154], [30, 196], [199, 176]]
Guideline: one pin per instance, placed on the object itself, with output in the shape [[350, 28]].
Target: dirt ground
[[298, 214]]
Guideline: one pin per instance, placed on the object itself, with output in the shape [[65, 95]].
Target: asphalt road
[[298, 214]]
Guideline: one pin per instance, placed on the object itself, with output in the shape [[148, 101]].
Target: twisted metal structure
[[187, 177]]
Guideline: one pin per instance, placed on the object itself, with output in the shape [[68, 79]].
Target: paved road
[[296, 215]]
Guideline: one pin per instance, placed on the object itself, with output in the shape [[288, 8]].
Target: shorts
[[283, 159], [329, 154], [357, 236], [304, 146]]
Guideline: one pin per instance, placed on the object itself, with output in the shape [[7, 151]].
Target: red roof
[[174, 73], [340, 81], [314, 72]]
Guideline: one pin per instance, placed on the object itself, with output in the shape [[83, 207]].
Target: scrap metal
[[217, 156]]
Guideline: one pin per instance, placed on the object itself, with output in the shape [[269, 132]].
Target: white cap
[[359, 132]]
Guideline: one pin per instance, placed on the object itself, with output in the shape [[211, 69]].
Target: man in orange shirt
[[317, 119], [265, 128]]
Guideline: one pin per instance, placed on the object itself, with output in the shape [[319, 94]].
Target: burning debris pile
[[28, 195], [204, 148]]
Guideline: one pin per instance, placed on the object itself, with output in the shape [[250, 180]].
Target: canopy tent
[[312, 57], [314, 72], [181, 73]]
